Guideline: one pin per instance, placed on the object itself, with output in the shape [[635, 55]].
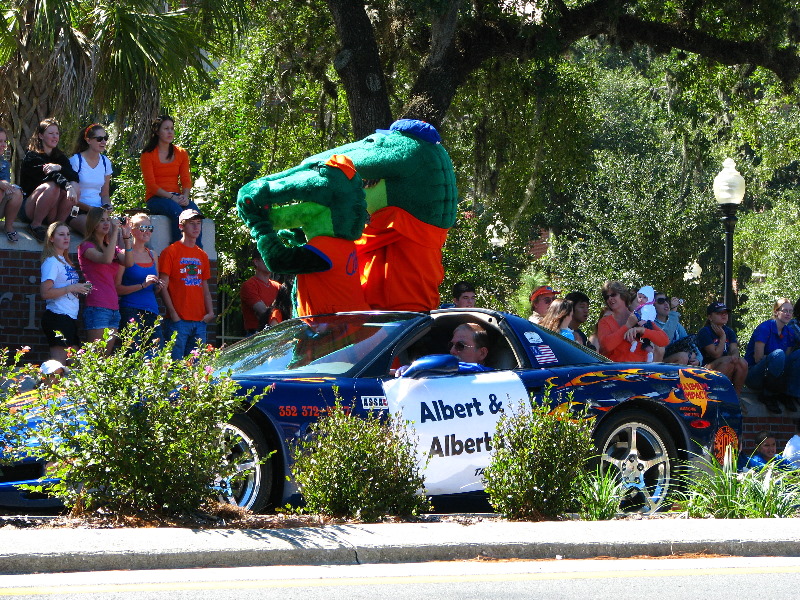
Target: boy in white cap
[[185, 270]]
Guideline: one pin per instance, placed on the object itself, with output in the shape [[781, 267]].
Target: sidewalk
[[57, 550]]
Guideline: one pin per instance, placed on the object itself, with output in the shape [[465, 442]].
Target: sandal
[[39, 233], [12, 236]]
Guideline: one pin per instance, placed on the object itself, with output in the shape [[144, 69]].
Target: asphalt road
[[729, 578]]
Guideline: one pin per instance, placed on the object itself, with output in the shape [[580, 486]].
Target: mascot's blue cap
[[421, 129]]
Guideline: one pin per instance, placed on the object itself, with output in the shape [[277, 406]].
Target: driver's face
[[462, 346]]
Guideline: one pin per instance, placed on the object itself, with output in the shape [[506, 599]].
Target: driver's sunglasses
[[459, 346], [100, 138], [145, 228]]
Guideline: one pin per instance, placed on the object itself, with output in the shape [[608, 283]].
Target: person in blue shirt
[[765, 452], [774, 365], [720, 347]]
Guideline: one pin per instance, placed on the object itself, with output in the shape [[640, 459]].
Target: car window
[[328, 345]]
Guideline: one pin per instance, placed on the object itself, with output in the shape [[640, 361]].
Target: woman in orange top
[[165, 168], [621, 333]]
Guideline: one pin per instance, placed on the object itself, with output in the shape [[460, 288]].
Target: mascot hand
[[253, 206], [292, 237]]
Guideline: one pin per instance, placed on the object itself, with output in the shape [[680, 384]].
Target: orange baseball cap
[[544, 290]]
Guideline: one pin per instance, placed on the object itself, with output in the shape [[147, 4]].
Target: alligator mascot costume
[[405, 180]]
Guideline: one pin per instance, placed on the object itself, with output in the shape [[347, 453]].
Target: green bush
[[359, 468], [14, 375], [135, 431], [535, 470], [719, 491]]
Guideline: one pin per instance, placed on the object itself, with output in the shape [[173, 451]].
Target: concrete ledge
[[159, 240], [57, 550]]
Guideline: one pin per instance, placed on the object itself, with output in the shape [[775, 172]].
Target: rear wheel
[[641, 450], [247, 479]]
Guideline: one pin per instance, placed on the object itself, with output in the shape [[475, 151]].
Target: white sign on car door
[[454, 417]]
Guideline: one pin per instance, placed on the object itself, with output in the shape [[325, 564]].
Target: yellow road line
[[393, 580]]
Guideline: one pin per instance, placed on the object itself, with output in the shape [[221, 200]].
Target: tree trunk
[[358, 64]]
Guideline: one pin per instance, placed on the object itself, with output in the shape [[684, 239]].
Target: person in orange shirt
[[165, 169], [621, 333], [184, 272], [258, 295]]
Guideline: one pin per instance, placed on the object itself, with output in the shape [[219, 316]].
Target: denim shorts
[[95, 317]]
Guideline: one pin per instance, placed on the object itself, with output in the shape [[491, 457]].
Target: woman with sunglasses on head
[[165, 169], [773, 359], [100, 258], [48, 181], [138, 283], [620, 333], [94, 170]]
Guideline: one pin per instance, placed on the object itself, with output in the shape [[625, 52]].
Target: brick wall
[[757, 418], [21, 307]]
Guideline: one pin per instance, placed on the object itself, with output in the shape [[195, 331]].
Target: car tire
[[644, 455], [248, 452]]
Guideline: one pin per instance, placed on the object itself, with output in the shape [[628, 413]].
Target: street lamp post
[[729, 192]]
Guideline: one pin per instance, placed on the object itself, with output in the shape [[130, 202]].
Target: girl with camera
[[100, 257]]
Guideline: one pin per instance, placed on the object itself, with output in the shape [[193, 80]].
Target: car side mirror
[[433, 364]]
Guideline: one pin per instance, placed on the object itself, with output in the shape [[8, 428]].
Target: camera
[[75, 211], [122, 219]]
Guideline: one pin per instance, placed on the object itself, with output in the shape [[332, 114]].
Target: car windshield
[[327, 345]]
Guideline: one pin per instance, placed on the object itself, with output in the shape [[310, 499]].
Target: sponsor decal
[[454, 419], [533, 337], [725, 436], [374, 402]]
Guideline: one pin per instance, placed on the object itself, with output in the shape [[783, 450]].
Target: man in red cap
[[541, 299]]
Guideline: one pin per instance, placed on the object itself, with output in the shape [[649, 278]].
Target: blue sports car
[[649, 417]]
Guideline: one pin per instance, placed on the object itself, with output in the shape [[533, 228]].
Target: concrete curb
[[59, 550]]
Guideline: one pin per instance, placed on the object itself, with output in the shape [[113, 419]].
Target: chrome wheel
[[638, 448], [246, 473]]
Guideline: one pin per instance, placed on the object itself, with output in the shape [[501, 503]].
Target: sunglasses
[[145, 228], [459, 346], [611, 295], [661, 300], [100, 138]]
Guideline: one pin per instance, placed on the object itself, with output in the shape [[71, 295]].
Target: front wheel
[[246, 478], [634, 445]]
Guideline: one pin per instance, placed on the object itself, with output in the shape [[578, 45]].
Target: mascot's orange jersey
[[336, 290], [401, 261]]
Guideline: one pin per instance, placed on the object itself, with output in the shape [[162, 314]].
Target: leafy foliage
[[538, 463], [719, 491], [134, 431], [360, 468], [600, 494]]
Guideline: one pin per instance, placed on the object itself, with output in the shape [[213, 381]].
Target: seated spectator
[[580, 314], [165, 169], [541, 299], [774, 366], [470, 344], [10, 194], [49, 182], [620, 333], [719, 346], [95, 170], [258, 295], [766, 451], [463, 295], [558, 318], [668, 318]]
